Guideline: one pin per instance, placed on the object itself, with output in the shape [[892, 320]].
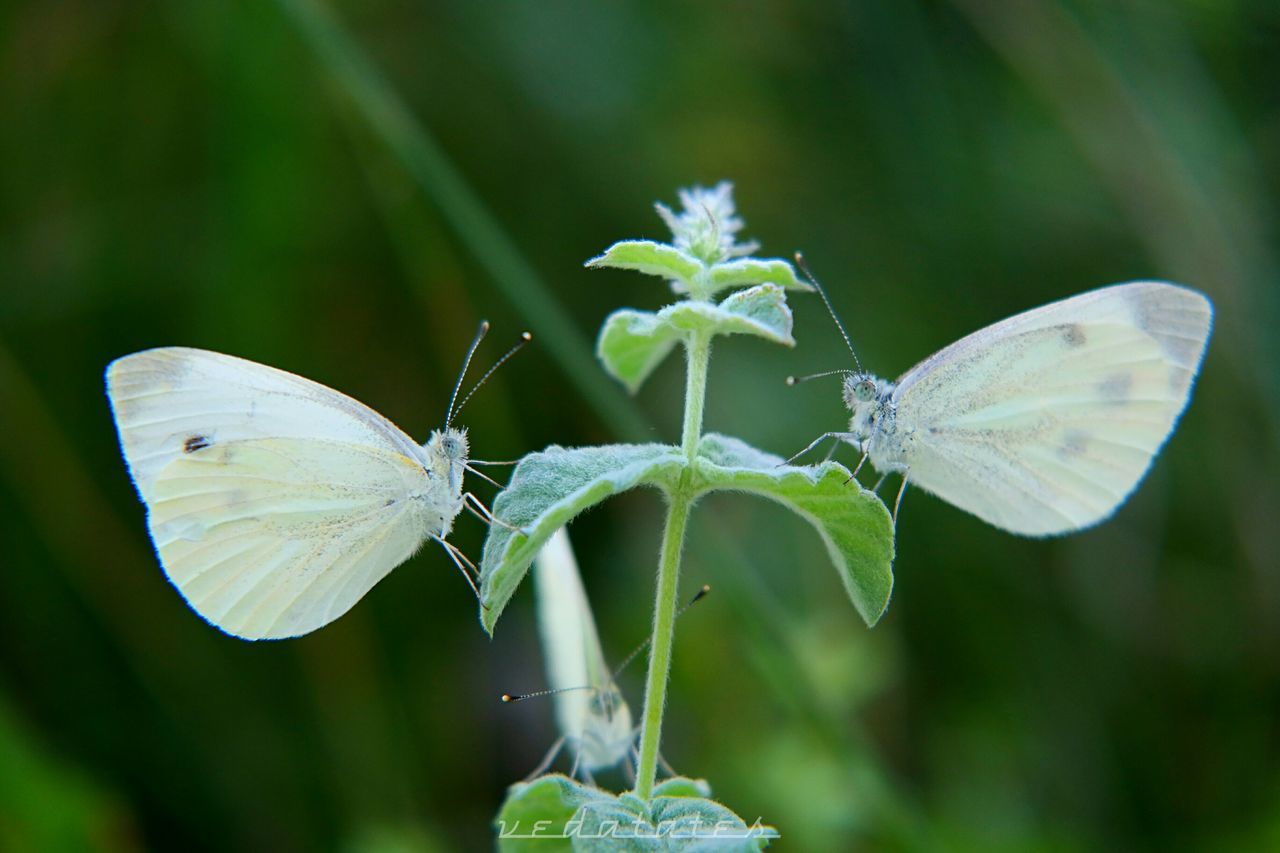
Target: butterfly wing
[[274, 503], [596, 719], [1045, 422]]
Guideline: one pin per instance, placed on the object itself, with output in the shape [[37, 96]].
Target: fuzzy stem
[[698, 351], [664, 618]]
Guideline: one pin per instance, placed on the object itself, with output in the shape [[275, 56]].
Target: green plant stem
[[664, 622], [698, 354]]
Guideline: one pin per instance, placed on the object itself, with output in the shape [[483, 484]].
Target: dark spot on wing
[[1073, 334], [1073, 444], [194, 443], [1115, 389]]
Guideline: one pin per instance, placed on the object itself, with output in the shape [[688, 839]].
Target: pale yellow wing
[[1045, 422], [274, 502], [590, 710], [169, 399], [272, 538]]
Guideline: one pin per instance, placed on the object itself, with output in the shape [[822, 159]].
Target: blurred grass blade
[[429, 166], [136, 609], [48, 804], [1198, 220]]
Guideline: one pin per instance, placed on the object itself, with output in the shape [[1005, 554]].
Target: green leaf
[[651, 258], [761, 311], [608, 826], [633, 343], [549, 488], [542, 808], [704, 824], [562, 814], [681, 786], [854, 524], [746, 271]]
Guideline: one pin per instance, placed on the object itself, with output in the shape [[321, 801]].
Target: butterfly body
[[874, 421], [608, 734], [444, 457]]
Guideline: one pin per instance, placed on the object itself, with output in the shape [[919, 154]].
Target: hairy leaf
[[549, 488], [556, 813], [537, 812], [682, 786], [633, 343], [745, 271], [652, 258], [854, 524]]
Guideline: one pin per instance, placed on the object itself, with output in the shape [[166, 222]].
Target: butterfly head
[[860, 388], [869, 400], [607, 731], [453, 445], [448, 451], [605, 702]]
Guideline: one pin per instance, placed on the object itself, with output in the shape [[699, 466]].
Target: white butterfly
[[1043, 423], [593, 718], [276, 503]]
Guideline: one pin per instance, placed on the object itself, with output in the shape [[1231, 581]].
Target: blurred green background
[[345, 189]]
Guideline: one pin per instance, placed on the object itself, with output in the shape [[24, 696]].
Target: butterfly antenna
[[466, 362], [525, 337], [796, 380], [701, 593], [804, 268], [520, 697]]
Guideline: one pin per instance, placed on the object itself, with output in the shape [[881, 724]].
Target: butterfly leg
[[579, 767], [483, 476], [879, 483], [459, 559], [902, 490], [474, 512], [831, 451], [467, 566], [489, 462], [666, 766], [482, 512], [842, 436], [858, 467], [546, 759]]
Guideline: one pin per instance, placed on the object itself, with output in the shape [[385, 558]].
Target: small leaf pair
[[558, 814], [633, 343], [549, 488]]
